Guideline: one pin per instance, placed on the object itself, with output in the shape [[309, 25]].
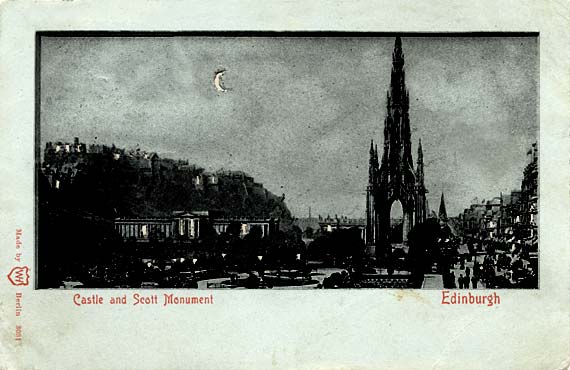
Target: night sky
[[300, 112]]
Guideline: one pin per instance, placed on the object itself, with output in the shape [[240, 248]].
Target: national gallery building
[[188, 225]]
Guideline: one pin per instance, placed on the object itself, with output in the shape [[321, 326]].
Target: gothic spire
[[420, 168], [398, 94], [442, 210], [398, 54], [373, 164], [397, 154], [395, 177]]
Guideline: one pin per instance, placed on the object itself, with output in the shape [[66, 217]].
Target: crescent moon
[[218, 81]]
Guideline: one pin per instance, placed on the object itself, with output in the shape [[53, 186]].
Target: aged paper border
[[368, 329]]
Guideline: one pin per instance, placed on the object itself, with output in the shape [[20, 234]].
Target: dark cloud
[[300, 112]]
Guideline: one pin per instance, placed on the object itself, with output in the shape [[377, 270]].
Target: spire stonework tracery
[[395, 178]]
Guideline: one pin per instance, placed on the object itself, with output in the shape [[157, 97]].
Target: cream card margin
[[369, 329]]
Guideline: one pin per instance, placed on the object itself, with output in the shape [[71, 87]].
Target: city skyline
[[302, 129]]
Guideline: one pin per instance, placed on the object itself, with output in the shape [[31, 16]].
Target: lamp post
[[194, 260], [224, 261], [260, 257], [302, 265]]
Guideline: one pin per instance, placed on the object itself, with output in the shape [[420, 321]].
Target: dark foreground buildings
[[394, 178]]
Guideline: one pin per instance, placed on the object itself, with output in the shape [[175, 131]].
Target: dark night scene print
[[284, 161]]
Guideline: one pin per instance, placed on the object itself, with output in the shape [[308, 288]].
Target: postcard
[[288, 188]]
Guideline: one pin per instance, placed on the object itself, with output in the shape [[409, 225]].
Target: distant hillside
[[112, 182]]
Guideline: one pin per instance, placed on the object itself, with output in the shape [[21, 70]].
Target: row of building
[[330, 224], [189, 225], [509, 217], [63, 161]]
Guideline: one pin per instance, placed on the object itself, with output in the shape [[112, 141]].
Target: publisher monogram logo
[[19, 275]]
